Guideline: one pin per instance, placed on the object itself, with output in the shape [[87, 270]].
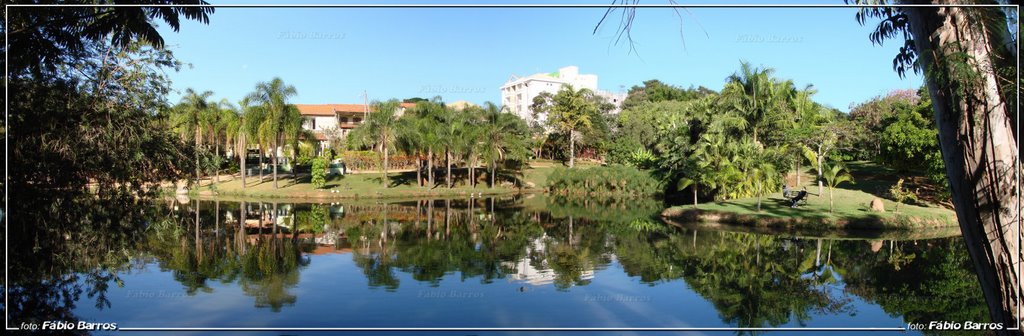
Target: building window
[[357, 120]]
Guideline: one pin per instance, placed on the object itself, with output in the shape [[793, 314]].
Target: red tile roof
[[331, 109]]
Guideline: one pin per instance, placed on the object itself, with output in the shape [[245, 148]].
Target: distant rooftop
[[332, 109]]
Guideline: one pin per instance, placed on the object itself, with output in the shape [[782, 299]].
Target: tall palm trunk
[[494, 169], [572, 148], [978, 141], [198, 131], [273, 159], [694, 194], [216, 155], [797, 171], [448, 166], [242, 153], [430, 167], [419, 169], [385, 146], [472, 173]]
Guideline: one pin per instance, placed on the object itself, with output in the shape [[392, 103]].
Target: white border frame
[[7, 101]]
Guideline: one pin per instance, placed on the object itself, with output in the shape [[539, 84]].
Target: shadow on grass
[[776, 212], [871, 178]]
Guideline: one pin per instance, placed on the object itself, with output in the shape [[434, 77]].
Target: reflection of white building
[[518, 92], [525, 272]]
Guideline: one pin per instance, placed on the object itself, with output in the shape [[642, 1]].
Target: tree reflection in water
[[752, 280]]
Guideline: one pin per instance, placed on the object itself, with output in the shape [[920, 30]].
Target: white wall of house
[[319, 123]]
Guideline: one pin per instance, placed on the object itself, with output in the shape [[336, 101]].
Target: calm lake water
[[506, 262]]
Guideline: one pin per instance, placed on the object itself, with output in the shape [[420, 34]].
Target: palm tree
[[292, 132], [748, 92], [472, 140], [227, 127], [450, 133], [411, 140], [241, 131], [273, 97], [429, 115], [763, 177], [190, 118], [570, 112], [834, 175], [381, 131], [254, 117], [505, 136]]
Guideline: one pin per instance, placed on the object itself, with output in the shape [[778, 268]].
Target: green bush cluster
[[613, 180], [319, 173]]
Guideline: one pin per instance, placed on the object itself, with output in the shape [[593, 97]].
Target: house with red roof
[[327, 120]]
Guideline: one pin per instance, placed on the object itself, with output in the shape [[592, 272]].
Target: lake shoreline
[[877, 222], [326, 195], [819, 233]]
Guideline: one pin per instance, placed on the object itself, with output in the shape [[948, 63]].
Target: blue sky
[[331, 55]]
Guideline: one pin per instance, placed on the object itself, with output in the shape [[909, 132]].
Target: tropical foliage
[[431, 134], [607, 181]]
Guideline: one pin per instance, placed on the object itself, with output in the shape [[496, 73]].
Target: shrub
[[607, 181], [319, 173]]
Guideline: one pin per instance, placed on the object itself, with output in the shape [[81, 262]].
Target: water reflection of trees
[[198, 250], [68, 246], [922, 281], [752, 280]]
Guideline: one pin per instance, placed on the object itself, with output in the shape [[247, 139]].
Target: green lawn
[[852, 204], [369, 185]]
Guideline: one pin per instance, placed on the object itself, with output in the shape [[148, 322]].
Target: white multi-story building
[[518, 92]]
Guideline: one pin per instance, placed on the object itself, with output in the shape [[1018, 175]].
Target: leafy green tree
[[87, 148]]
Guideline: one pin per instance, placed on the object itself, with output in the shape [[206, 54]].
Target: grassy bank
[[852, 207], [369, 185]]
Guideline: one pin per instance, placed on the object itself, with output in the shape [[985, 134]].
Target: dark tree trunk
[[979, 145]]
